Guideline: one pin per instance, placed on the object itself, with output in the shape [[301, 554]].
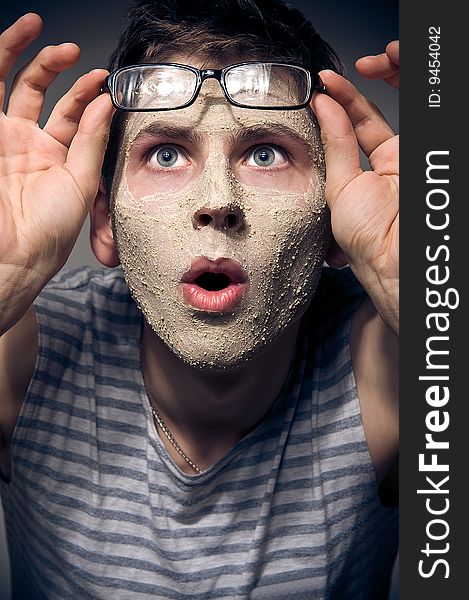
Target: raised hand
[[48, 177], [364, 204]]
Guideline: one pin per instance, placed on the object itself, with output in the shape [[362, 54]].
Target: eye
[[167, 156], [266, 156]]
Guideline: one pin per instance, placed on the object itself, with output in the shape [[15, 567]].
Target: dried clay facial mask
[[280, 244]]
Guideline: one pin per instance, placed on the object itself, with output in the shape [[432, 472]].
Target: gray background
[[353, 29]]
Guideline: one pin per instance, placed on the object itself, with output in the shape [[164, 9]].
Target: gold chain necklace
[[172, 441]]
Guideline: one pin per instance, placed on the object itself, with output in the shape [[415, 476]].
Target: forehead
[[211, 114]]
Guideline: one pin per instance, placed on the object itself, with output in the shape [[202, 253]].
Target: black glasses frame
[[314, 81]]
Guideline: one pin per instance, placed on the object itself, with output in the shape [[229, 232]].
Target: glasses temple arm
[[105, 87], [320, 87]]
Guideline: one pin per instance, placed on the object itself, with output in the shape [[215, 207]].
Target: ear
[[101, 234], [335, 256]]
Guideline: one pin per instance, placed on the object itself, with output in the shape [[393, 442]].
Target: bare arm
[[375, 359], [18, 352]]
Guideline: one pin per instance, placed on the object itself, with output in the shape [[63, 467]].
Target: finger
[[86, 153], [376, 67], [392, 50], [65, 117], [393, 81], [340, 145], [368, 122], [13, 41], [30, 84]]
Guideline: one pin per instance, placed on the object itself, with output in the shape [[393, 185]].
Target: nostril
[[204, 219], [227, 218], [231, 220]]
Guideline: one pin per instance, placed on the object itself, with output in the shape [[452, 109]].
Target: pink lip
[[223, 300]]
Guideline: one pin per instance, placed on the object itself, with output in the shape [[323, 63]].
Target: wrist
[[384, 293], [19, 287]]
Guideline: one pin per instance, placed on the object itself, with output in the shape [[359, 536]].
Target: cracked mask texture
[[281, 244]]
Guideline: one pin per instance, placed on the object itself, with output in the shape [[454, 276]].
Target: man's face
[[221, 224]]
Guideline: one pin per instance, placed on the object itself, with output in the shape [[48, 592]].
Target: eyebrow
[[245, 135], [251, 135], [170, 131]]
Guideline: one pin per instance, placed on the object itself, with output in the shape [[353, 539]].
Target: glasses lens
[[268, 85], [154, 87]]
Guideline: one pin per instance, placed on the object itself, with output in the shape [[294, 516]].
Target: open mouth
[[214, 285], [213, 282]]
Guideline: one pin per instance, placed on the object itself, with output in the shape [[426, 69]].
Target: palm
[[48, 177], [39, 200], [365, 218]]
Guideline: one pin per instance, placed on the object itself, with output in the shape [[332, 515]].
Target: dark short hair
[[214, 29]]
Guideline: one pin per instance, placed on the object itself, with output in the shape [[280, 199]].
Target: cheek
[[284, 179], [284, 217], [146, 238], [290, 236]]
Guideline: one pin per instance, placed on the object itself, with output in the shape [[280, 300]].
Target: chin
[[214, 350], [213, 342], [221, 359]]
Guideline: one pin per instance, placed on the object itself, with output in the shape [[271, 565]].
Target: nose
[[228, 218]]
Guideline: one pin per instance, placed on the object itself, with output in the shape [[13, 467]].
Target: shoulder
[[85, 282], [328, 365], [71, 304], [356, 355], [85, 298]]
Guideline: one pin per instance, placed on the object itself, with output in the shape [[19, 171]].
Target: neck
[[207, 411]]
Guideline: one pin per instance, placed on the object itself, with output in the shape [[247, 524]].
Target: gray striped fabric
[[97, 509]]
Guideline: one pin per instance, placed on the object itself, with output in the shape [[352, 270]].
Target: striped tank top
[[97, 509]]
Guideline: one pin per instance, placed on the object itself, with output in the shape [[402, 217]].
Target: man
[[217, 423]]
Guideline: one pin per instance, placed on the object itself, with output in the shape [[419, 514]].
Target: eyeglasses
[[170, 86]]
